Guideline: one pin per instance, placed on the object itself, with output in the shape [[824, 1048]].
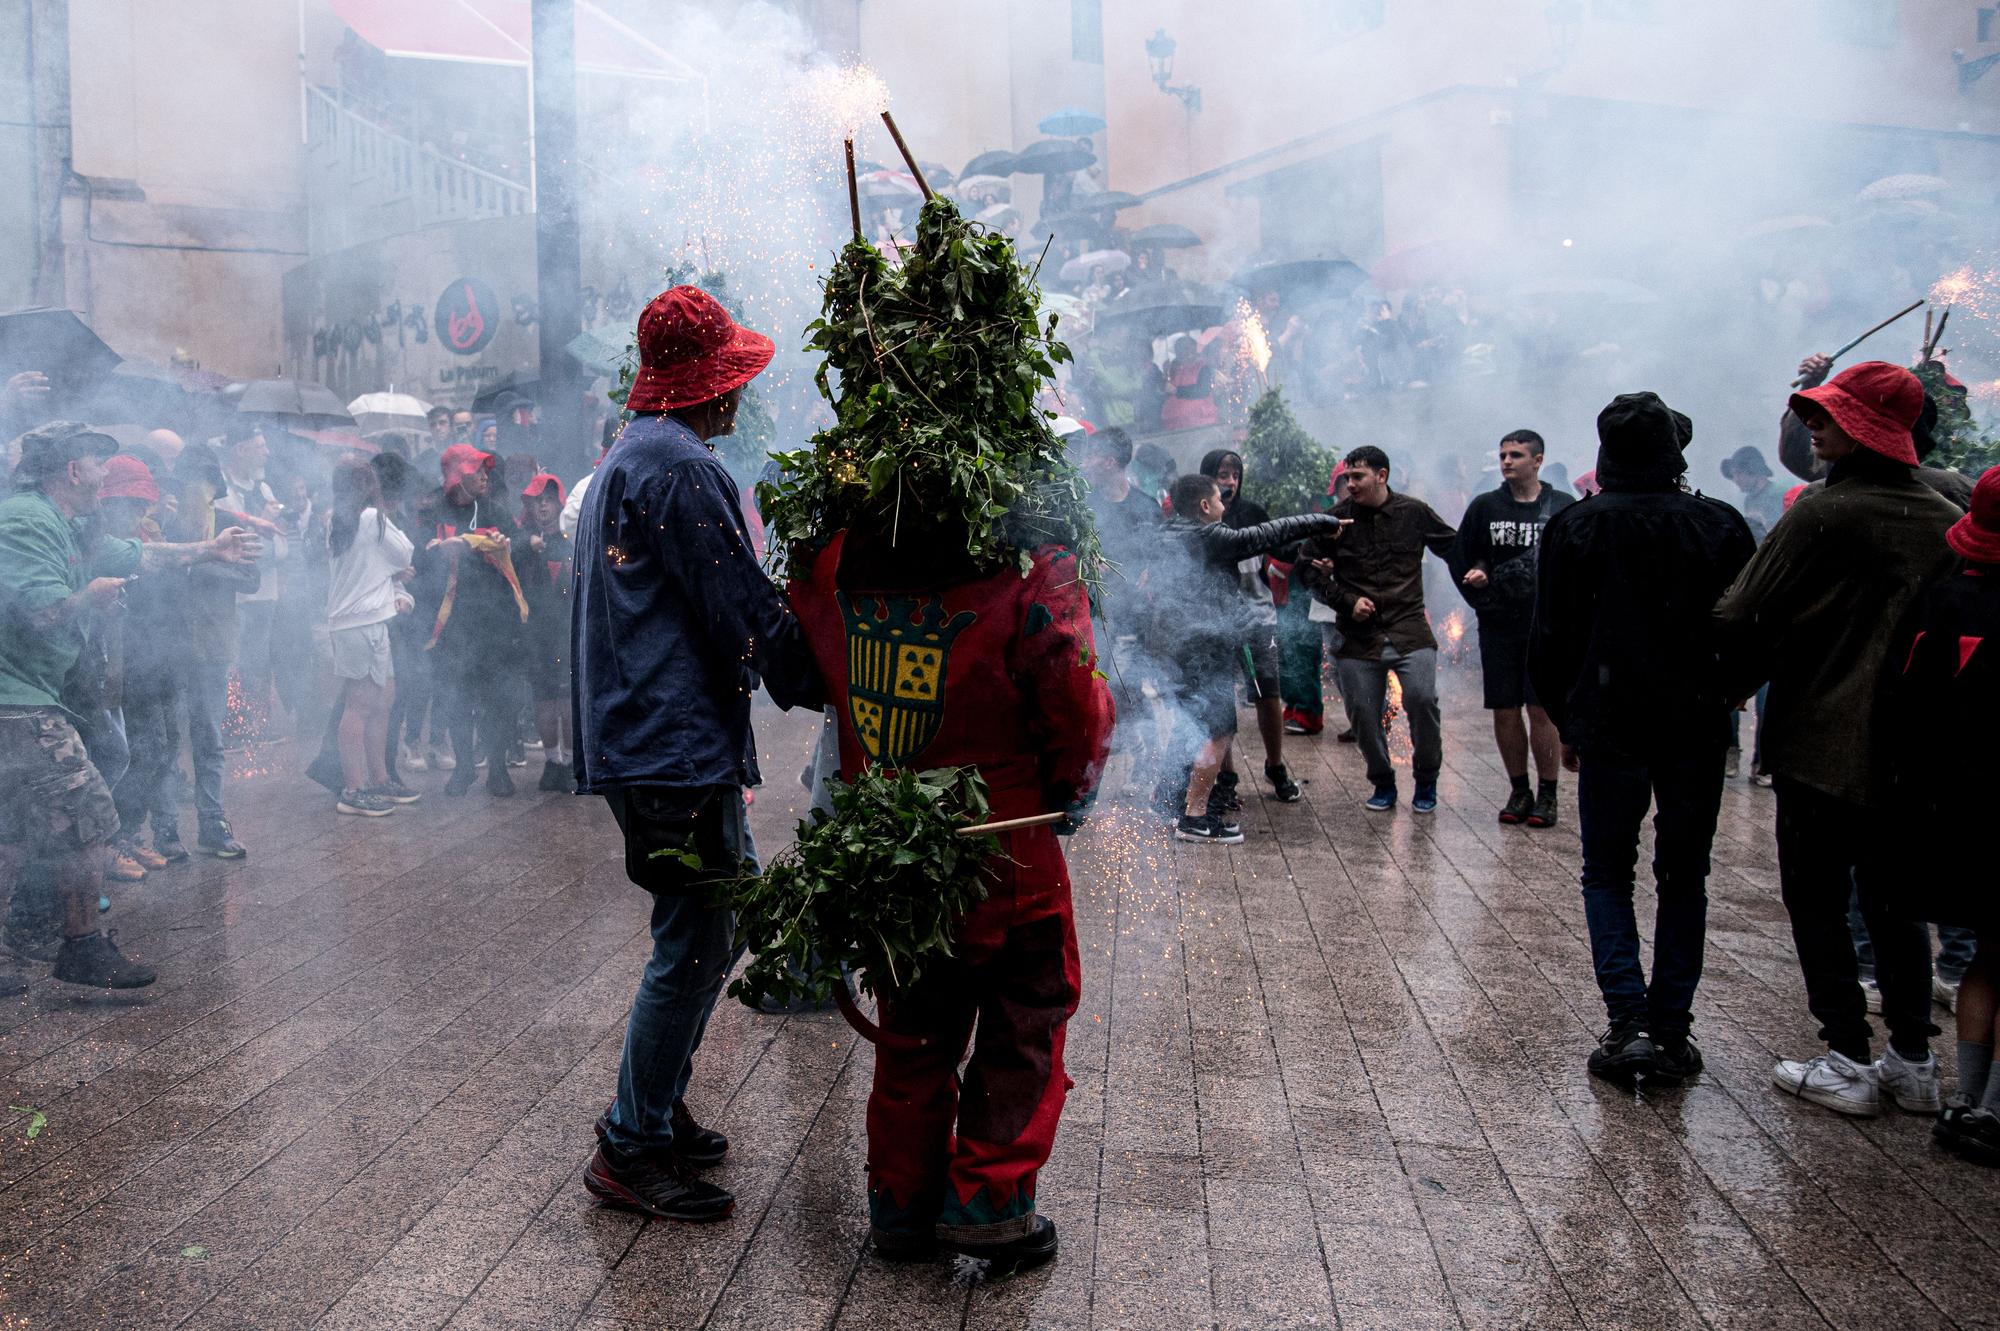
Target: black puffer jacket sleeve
[[1245, 542]]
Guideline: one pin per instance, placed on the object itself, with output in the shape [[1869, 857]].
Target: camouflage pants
[[52, 799]]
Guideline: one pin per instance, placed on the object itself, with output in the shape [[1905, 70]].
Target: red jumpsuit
[[999, 672]]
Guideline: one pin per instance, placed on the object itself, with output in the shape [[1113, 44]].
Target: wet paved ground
[[1333, 1076]]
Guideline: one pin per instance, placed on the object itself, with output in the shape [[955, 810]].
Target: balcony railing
[[366, 182]]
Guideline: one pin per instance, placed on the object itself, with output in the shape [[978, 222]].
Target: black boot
[[462, 777], [95, 960], [498, 783], [556, 777], [973, 1263]]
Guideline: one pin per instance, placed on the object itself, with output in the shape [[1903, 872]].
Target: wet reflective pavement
[[1334, 1076]]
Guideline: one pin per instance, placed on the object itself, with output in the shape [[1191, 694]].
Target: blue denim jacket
[[673, 622]]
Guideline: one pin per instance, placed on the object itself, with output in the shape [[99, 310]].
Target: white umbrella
[[388, 411], [1084, 267], [986, 187]]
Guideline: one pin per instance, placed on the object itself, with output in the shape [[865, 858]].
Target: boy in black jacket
[[1208, 639]]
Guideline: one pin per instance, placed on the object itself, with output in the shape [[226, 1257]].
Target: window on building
[[1861, 22], [1086, 31], [1337, 20]]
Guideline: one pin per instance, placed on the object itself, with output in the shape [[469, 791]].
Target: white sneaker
[[1913, 1086], [1832, 1081], [1945, 992], [407, 756], [442, 761], [1871, 994]]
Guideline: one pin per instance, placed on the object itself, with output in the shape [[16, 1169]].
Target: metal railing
[[366, 182]]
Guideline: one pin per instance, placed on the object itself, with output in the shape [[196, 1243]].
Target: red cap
[[691, 351], [1977, 535], [1875, 403], [460, 461], [542, 481], [125, 477]]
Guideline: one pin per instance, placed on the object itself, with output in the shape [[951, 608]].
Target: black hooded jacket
[[1623, 651]]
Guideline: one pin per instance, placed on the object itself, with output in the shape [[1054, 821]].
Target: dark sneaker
[[1624, 1054], [95, 960], [662, 1185], [1223, 797], [974, 1263], [12, 983], [1675, 1061], [1950, 1115], [1283, 787], [396, 792], [1544, 812], [34, 945], [220, 842], [1348, 736], [1516, 809], [1208, 828], [363, 804], [1383, 800], [1425, 800], [555, 776], [461, 780], [1976, 1138], [168, 845], [498, 783]]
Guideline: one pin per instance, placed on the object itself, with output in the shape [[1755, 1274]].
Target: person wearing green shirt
[[54, 805]]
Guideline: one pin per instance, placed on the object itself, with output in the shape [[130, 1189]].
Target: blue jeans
[[1757, 736], [1364, 687], [694, 949], [1613, 793], [205, 687]]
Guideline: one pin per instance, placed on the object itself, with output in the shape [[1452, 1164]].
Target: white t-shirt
[[361, 581], [573, 508]]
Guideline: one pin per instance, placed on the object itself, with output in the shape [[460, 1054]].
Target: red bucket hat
[[691, 351], [125, 477], [460, 461], [1976, 536], [1876, 403], [542, 481]]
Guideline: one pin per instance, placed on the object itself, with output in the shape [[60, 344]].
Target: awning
[[496, 32]]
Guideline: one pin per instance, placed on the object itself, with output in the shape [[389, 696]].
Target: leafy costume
[[940, 555]]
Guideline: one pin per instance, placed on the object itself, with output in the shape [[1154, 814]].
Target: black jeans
[[1827, 849], [1614, 791], [479, 689]]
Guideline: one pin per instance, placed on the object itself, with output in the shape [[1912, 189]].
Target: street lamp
[[1160, 54]]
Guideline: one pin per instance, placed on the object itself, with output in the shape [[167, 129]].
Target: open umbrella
[[300, 399], [999, 216], [937, 174], [1102, 201], [996, 163], [56, 342], [889, 186], [989, 188], [338, 441], [1052, 157], [1160, 308], [1072, 123], [1904, 187], [1085, 267], [1072, 225], [1163, 236], [515, 383], [388, 411], [1318, 277]]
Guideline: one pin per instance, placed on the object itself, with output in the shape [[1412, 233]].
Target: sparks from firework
[[842, 99], [1972, 293], [1451, 635], [1254, 347], [1401, 748]]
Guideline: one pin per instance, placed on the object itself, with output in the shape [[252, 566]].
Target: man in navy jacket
[[673, 626]]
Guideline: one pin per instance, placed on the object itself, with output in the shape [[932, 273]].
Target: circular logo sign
[[468, 313]]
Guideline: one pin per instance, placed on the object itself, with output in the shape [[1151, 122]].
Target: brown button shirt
[[1381, 557]]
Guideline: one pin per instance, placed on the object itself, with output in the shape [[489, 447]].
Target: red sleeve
[[1056, 666]]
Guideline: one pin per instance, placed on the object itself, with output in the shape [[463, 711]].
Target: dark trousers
[[480, 690], [1827, 849], [1613, 793], [154, 737]]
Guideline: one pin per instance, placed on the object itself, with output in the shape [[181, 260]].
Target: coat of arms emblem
[[897, 649]]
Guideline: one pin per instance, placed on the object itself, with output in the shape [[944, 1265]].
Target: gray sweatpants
[[1364, 685]]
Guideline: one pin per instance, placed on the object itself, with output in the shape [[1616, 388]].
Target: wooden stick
[[1865, 336], [1927, 330], [853, 191], [909, 159], [1930, 343], [1012, 824]]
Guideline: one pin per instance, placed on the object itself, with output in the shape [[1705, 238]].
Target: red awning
[[497, 32]]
